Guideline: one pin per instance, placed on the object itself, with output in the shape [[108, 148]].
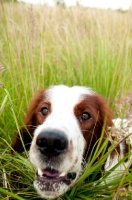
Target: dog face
[[65, 124]]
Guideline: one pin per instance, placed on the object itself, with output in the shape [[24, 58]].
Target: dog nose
[[52, 143]]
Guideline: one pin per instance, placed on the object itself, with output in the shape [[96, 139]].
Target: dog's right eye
[[85, 116], [44, 111]]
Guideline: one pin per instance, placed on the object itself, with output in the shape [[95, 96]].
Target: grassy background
[[42, 46]]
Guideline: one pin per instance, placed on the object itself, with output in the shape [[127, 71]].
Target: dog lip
[[53, 179], [51, 183], [50, 176], [51, 173], [54, 174]]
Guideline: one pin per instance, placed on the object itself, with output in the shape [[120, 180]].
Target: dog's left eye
[[85, 116], [44, 111]]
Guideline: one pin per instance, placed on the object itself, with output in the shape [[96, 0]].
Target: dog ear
[[22, 140], [103, 122], [104, 118], [105, 113]]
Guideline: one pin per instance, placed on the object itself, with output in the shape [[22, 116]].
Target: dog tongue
[[51, 172]]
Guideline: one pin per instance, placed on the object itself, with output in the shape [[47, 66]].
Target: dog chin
[[50, 183], [50, 190]]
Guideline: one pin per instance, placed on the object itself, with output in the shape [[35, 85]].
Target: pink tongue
[[51, 173]]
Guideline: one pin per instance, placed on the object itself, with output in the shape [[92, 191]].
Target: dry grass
[[81, 46], [42, 46]]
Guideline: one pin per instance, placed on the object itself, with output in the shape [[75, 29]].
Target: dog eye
[[85, 116], [44, 111]]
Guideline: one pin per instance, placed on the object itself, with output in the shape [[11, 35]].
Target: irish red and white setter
[[62, 126]]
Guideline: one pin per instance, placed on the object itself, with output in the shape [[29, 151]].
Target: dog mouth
[[51, 180]]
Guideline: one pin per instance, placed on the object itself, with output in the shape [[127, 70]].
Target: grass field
[[42, 46]]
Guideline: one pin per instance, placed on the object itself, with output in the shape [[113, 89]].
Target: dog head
[[61, 128]]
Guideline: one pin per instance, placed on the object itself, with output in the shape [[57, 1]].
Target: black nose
[[52, 143]]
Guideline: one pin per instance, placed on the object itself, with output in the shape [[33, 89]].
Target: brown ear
[[23, 142], [23, 139], [105, 113], [103, 120], [104, 117]]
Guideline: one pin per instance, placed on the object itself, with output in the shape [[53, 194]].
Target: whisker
[[87, 131], [31, 126], [27, 144]]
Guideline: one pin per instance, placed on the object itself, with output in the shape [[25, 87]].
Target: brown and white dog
[[62, 126]]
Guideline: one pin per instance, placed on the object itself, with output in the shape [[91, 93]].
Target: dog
[[62, 126]]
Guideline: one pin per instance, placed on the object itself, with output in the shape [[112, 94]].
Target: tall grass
[[42, 46]]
